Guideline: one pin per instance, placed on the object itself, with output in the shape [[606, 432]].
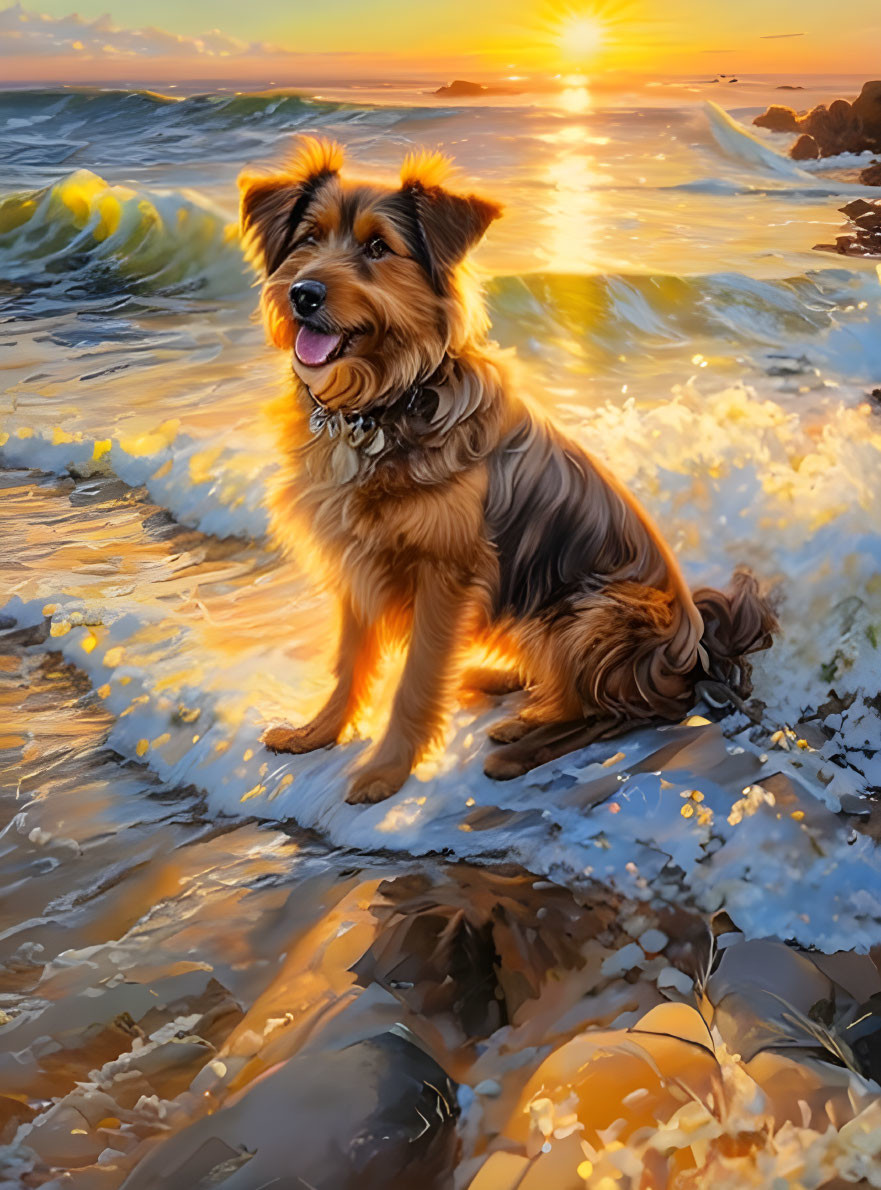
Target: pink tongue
[[313, 348]]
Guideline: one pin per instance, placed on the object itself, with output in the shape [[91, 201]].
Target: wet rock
[[867, 106], [842, 127], [805, 149], [778, 119], [377, 1115], [863, 1037], [764, 992], [862, 236]]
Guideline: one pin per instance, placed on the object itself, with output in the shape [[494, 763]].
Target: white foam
[[228, 501], [746, 147], [766, 861]]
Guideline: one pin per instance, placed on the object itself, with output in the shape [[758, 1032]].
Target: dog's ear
[[448, 225], [272, 205]]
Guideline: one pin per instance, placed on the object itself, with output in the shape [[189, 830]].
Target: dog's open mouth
[[314, 348]]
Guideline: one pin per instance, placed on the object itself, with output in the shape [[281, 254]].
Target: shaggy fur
[[443, 506]]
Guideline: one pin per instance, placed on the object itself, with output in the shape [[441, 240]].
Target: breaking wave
[[84, 232], [86, 235]]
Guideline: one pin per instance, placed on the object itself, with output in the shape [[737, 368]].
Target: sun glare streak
[[575, 96], [573, 211]]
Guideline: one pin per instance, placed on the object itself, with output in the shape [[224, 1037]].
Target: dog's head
[[362, 281]]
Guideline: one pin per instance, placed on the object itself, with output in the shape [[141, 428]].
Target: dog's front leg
[[356, 661], [441, 609]]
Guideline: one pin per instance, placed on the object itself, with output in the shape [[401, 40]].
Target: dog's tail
[[737, 622]]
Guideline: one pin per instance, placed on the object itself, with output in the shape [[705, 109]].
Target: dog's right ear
[[273, 205]]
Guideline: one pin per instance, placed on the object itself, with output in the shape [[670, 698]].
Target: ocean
[[656, 285]]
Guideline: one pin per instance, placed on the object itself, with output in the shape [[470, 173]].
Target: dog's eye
[[376, 247], [306, 241]]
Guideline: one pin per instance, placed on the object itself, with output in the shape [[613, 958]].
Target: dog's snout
[[307, 297]]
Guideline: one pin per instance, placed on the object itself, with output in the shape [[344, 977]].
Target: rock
[[463, 89], [871, 175], [377, 1115], [805, 149], [778, 119], [862, 237], [860, 208], [842, 127], [841, 113], [836, 129], [867, 107]]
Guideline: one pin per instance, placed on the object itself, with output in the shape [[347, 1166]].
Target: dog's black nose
[[307, 297]]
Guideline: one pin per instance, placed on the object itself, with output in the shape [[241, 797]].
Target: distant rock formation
[[463, 89], [841, 127], [862, 236]]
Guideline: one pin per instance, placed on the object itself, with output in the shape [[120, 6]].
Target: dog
[[442, 505]]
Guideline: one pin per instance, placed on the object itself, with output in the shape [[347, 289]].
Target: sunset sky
[[283, 39]]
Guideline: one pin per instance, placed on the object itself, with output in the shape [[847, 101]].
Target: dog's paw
[[509, 731], [375, 784], [502, 766], [293, 739]]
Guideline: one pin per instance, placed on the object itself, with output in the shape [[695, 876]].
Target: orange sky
[[168, 39]]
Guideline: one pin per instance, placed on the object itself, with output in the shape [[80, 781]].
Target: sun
[[581, 37]]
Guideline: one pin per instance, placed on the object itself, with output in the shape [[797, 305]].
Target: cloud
[[23, 32], [778, 36]]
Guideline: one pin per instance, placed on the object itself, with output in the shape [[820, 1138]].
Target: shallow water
[[183, 912]]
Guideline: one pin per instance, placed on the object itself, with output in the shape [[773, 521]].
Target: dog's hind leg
[[357, 655], [484, 679], [554, 698], [551, 741], [538, 712]]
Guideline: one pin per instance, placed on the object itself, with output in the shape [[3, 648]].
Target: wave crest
[[93, 234]]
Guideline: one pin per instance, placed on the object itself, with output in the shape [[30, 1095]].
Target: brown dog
[[441, 504]]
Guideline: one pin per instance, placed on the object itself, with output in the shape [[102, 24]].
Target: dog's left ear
[[449, 225], [273, 205]]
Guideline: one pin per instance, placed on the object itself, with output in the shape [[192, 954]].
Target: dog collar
[[322, 418]]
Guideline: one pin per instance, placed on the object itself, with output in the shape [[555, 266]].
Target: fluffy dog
[[442, 505]]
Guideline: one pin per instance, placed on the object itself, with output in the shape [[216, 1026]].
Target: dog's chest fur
[[382, 499]]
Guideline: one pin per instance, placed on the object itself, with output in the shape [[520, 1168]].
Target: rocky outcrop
[[842, 127], [867, 107], [862, 236], [778, 119], [805, 148], [463, 89]]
